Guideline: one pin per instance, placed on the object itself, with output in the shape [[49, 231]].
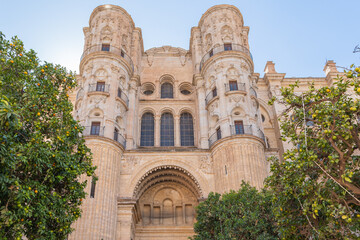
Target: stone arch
[[96, 112], [266, 107], [167, 109], [140, 174], [187, 109], [167, 78], [147, 109]]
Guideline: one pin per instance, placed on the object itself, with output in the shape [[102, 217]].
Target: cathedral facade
[[167, 126]]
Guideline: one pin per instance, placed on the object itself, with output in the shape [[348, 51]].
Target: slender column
[[224, 118], [203, 114], [133, 86], [157, 131], [177, 130]]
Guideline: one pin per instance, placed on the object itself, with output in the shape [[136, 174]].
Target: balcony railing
[[238, 130], [246, 129], [112, 49], [99, 87], [214, 137], [222, 48], [234, 87], [99, 131], [253, 92], [120, 139], [124, 97], [210, 96], [94, 131]]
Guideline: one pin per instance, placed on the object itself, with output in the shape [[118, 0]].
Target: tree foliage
[[317, 186], [246, 214], [42, 153]]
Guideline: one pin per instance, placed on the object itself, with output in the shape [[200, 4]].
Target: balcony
[[120, 139], [210, 96], [94, 131], [123, 97], [99, 88], [114, 50], [237, 130], [233, 87], [223, 48], [99, 131]]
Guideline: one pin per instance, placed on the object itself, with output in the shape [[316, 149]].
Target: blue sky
[[299, 36]]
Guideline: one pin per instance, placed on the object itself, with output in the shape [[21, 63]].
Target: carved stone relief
[[206, 164], [128, 164], [226, 34]]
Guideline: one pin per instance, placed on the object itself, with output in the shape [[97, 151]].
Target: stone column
[[127, 219], [157, 131], [203, 114], [224, 118], [133, 86], [177, 130]]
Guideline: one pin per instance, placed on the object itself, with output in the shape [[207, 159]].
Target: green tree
[[317, 186], [245, 214], [42, 152]]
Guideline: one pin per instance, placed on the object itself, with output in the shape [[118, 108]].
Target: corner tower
[[105, 104], [227, 98]]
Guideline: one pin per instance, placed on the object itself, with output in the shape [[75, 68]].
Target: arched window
[[167, 130], [186, 129], [167, 90], [147, 130]]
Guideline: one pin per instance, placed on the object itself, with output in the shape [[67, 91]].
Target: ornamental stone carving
[[206, 164], [128, 164]]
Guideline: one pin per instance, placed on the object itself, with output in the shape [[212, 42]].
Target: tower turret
[[106, 83], [226, 75]]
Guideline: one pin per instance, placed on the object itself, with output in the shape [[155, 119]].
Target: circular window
[[185, 89], [148, 89]]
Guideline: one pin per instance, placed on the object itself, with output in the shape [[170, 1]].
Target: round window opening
[[185, 89], [148, 89], [97, 114]]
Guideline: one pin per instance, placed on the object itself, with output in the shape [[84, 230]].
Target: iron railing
[[99, 87], [112, 49], [124, 97], [210, 96], [222, 48], [238, 130], [120, 139], [234, 87], [214, 137], [246, 129], [94, 131], [253, 92]]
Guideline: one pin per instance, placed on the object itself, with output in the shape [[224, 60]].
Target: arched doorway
[[166, 198]]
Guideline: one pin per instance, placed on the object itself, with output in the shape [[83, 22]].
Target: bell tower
[[227, 90]]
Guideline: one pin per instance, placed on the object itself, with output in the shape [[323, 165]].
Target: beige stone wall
[[99, 216]]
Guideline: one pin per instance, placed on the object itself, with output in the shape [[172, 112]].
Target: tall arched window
[[147, 130], [186, 129], [167, 130], [167, 90]]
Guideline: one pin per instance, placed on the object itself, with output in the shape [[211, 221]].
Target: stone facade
[[167, 126]]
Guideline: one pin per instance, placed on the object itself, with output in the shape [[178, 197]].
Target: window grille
[[105, 47], [100, 86], [227, 47], [239, 127], [233, 85], [95, 128], [167, 90], [214, 92], [218, 133], [186, 129], [116, 133], [167, 130], [92, 191], [147, 130]]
